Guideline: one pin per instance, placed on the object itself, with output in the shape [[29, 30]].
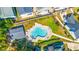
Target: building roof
[[6, 12], [72, 24], [17, 32], [42, 10], [24, 10]]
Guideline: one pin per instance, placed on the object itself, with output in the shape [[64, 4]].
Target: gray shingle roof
[[24, 10], [72, 24]]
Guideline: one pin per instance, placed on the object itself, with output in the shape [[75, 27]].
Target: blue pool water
[[38, 31]]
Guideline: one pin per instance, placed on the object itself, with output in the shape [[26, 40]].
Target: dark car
[[54, 46], [37, 48]]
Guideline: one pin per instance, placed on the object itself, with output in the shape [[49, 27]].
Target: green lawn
[[46, 20], [52, 24]]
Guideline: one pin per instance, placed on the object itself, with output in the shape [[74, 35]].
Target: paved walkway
[[72, 46], [59, 21], [62, 37], [37, 17]]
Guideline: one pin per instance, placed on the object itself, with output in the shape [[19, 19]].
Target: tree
[[78, 17], [77, 10], [5, 24]]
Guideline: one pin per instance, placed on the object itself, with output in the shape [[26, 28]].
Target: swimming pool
[[38, 32]]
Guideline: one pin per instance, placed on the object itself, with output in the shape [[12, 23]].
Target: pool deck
[[49, 33]]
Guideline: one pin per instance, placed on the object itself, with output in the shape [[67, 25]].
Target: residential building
[[6, 12], [25, 11], [72, 25]]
